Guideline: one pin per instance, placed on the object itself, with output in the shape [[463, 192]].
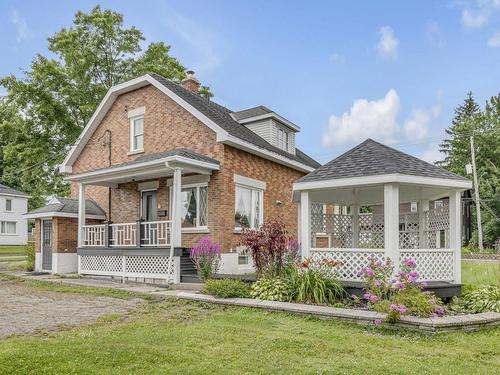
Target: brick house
[[158, 167]]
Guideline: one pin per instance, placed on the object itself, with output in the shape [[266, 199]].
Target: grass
[[12, 250], [172, 336], [15, 258], [480, 273]]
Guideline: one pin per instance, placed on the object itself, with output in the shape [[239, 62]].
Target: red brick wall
[[168, 126]]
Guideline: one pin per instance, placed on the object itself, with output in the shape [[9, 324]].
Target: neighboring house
[[13, 226], [165, 167]]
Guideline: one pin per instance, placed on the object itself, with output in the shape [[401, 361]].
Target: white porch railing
[[152, 234]]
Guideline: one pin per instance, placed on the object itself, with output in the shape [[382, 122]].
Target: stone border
[[469, 322], [481, 256]]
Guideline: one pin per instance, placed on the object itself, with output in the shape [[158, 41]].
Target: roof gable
[[371, 158], [213, 115], [7, 190]]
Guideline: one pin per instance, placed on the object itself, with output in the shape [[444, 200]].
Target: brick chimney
[[190, 82]]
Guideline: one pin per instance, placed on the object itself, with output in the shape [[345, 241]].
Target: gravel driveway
[[28, 310]]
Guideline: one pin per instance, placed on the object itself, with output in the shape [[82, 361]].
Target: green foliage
[[271, 289], [417, 303], [227, 288], [484, 298], [29, 250], [314, 286], [485, 125], [45, 111]]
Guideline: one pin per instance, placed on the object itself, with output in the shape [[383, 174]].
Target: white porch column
[[423, 206], [355, 225], [176, 208], [305, 223], [455, 232], [391, 223], [81, 213]]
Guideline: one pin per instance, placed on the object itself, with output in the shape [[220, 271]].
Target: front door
[[47, 245], [149, 206]]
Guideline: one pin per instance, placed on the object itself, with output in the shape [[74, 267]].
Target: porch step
[[188, 269]]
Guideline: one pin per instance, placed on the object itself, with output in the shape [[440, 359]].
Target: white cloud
[[388, 43], [434, 35], [494, 41], [337, 58], [474, 19], [431, 154], [22, 29], [378, 119], [201, 40]]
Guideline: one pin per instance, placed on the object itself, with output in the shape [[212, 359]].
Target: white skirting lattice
[[136, 266]]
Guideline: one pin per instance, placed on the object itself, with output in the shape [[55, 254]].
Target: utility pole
[[476, 194]]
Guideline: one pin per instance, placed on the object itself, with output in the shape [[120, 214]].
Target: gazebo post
[[305, 223], [355, 225], [391, 223], [423, 207], [455, 232]]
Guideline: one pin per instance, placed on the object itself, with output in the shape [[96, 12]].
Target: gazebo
[[393, 205]]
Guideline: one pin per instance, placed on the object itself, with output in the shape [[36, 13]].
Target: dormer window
[[283, 139]]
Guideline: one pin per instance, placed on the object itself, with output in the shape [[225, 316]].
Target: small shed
[[375, 181]]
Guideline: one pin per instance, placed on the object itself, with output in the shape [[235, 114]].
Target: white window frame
[[133, 135], [197, 228], [8, 200], [283, 139], [3, 226]]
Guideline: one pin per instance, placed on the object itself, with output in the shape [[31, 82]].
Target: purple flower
[[402, 309], [414, 274], [423, 284], [399, 285], [377, 322], [434, 315], [428, 293], [377, 283], [432, 302], [394, 306], [440, 310], [369, 272], [410, 263], [402, 273]]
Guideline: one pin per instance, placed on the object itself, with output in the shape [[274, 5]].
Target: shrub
[[206, 257], [271, 247], [29, 251], [483, 299], [313, 282], [271, 289], [227, 288]]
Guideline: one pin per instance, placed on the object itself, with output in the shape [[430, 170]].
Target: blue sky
[[343, 71]]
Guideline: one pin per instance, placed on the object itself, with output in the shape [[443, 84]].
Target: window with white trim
[[248, 210], [8, 227], [8, 205], [137, 133], [194, 206], [283, 139]]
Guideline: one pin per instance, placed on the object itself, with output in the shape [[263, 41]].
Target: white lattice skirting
[[432, 264], [127, 266], [352, 260]]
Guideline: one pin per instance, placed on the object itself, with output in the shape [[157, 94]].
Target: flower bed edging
[[469, 322]]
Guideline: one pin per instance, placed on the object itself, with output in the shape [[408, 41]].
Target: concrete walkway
[[466, 322]]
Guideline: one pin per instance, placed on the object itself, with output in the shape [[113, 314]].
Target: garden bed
[[466, 322]]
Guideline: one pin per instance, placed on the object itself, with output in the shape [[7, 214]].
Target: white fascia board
[[382, 179], [273, 156], [15, 195], [274, 115], [43, 215], [149, 166]]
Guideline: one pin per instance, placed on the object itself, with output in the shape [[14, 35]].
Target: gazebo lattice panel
[[432, 265], [351, 262], [371, 231]]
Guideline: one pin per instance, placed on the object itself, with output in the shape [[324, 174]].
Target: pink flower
[[369, 272], [377, 322], [377, 283], [428, 293], [402, 309], [410, 263], [432, 302]]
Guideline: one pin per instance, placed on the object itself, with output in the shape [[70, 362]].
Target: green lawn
[[480, 273], [173, 336], [12, 250]]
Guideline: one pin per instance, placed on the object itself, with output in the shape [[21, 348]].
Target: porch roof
[[149, 166], [66, 207]]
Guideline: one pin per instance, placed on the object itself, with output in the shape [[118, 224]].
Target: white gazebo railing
[[423, 237]]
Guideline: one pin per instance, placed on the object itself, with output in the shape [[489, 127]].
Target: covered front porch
[[156, 199]]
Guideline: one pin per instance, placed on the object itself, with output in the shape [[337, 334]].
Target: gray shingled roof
[[251, 112], [371, 158], [4, 189], [69, 206], [222, 117], [184, 152]]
